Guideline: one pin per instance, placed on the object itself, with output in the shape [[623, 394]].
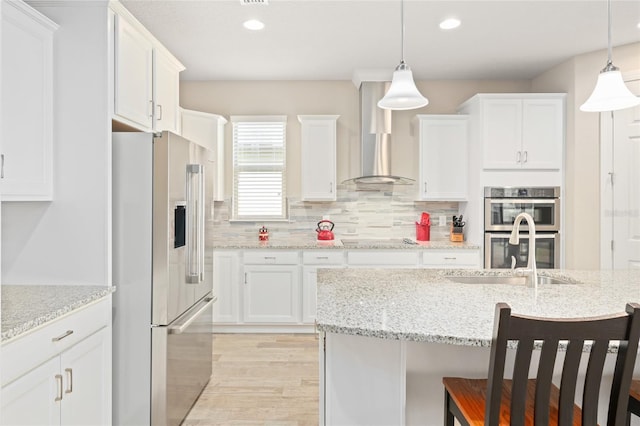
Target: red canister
[[263, 234]]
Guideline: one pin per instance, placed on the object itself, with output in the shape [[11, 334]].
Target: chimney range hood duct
[[375, 138]]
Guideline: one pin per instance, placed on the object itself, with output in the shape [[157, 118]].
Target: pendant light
[[403, 93], [610, 93]]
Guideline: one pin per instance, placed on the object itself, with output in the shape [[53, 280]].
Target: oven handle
[[524, 235], [523, 200], [179, 329]]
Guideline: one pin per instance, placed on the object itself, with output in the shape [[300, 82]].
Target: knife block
[[456, 234]]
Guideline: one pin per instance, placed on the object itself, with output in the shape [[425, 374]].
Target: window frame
[[237, 168]]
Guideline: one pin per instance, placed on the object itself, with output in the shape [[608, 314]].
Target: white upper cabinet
[[26, 153], [521, 131], [146, 78], [207, 130], [318, 163], [166, 91], [442, 160]]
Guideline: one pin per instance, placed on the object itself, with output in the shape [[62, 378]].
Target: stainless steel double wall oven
[[501, 206]]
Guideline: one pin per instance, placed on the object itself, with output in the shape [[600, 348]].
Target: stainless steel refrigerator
[[162, 208]]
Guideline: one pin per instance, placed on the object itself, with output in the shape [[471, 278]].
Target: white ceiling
[[329, 40]]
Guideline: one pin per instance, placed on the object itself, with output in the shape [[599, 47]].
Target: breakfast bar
[[390, 335]]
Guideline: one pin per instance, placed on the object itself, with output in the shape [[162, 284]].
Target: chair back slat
[[526, 330], [520, 379], [568, 382], [592, 382], [622, 376], [543, 382], [496, 364]]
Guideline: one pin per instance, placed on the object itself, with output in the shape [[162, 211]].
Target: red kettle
[[324, 230]]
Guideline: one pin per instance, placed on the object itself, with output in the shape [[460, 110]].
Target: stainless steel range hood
[[375, 138]]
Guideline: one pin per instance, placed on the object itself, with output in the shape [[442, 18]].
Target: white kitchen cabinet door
[[207, 130], [226, 287], [166, 96], [31, 399], [271, 294], [86, 375], [523, 133], [442, 142], [502, 133], [312, 261], [133, 102], [26, 159], [318, 163], [542, 133]]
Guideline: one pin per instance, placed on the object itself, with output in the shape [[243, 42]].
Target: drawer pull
[[450, 258], [59, 394], [62, 336], [269, 258], [322, 257], [69, 372]]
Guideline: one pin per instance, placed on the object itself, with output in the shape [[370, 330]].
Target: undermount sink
[[510, 280]]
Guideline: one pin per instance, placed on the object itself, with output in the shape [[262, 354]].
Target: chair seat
[[470, 394], [634, 397]]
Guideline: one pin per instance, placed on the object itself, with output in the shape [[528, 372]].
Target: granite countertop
[[427, 306], [25, 307], [344, 243]]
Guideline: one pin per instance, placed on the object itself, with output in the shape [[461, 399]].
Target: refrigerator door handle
[[179, 329], [195, 224]]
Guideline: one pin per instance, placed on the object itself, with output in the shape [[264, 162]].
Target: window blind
[[259, 168]]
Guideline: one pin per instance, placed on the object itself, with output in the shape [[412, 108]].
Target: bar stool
[[523, 401], [634, 398]]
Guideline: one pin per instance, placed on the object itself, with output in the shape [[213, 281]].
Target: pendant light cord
[[609, 32], [402, 30]]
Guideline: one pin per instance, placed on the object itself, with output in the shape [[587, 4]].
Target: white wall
[[577, 77], [67, 241]]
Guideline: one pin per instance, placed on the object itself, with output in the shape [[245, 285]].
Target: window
[[259, 167]]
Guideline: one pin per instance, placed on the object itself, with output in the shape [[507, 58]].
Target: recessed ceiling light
[[253, 24], [450, 23]]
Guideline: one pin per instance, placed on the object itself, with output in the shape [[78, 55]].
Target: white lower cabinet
[[226, 286], [271, 294], [61, 373], [312, 260]]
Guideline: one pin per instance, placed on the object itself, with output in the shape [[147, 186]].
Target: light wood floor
[[260, 379]]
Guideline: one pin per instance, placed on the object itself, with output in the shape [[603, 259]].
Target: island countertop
[[25, 307], [426, 305]]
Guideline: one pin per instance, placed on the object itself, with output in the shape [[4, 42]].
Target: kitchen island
[[391, 334]]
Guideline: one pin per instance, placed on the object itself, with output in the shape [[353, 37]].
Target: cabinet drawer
[[323, 257], [32, 349], [374, 258], [261, 257], [453, 258]]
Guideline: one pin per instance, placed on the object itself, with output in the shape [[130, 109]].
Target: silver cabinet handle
[[450, 258], [245, 277], [160, 112], [62, 336], [69, 372], [526, 156], [195, 224], [59, 394], [1, 166], [151, 109], [322, 257], [269, 258], [425, 187], [330, 187], [518, 156]]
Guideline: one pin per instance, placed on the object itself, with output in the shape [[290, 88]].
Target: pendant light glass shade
[[610, 93], [403, 93]]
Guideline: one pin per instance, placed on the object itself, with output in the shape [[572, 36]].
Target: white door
[[226, 283], [502, 133], [166, 87], [86, 375], [620, 182], [34, 399], [542, 133]]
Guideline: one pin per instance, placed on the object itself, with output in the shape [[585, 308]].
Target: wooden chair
[[524, 401], [634, 398]]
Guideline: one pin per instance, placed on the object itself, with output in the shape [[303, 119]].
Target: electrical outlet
[[442, 220]]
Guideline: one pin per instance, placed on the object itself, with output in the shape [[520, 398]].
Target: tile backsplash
[[383, 211]]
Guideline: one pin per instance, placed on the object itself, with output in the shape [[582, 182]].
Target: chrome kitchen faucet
[[531, 270]]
